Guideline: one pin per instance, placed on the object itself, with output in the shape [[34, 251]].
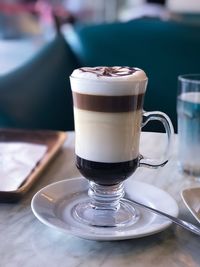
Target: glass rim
[[190, 78], [105, 81]]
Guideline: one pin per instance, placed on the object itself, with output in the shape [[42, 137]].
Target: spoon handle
[[187, 225]]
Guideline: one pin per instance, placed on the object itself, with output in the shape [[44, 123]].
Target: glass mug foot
[[106, 207]]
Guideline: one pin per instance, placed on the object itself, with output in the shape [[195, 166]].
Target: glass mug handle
[[165, 120]]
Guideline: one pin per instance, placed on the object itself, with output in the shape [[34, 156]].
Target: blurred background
[[163, 38], [31, 23]]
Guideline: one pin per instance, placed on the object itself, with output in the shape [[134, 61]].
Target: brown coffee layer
[[108, 103]]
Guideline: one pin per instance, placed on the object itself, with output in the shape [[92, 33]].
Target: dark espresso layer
[[106, 173], [101, 103]]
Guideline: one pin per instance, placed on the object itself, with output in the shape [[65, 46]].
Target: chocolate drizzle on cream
[[109, 71]]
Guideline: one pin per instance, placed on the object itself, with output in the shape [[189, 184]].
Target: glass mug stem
[[106, 207], [106, 197]]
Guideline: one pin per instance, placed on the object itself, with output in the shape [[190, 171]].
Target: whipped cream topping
[[110, 73]]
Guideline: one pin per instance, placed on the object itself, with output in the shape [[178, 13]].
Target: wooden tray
[[52, 139]]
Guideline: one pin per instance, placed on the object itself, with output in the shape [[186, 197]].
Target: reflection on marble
[[24, 241]]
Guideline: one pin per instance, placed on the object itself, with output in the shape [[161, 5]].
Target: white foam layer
[[108, 88], [193, 97], [90, 83], [107, 137]]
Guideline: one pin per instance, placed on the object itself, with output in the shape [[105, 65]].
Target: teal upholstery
[[164, 49], [37, 95]]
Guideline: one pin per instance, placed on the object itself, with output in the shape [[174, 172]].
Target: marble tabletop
[[25, 241]]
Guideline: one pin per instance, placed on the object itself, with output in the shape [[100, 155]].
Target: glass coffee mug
[[108, 114]]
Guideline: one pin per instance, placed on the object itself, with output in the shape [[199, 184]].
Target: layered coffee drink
[[108, 105], [108, 113]]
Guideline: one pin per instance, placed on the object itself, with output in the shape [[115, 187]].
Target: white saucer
[[191, 198], [53, 204]]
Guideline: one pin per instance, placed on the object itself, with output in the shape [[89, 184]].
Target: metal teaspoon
[[187, 225]]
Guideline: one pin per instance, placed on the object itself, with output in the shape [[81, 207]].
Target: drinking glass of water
[[188, 109]]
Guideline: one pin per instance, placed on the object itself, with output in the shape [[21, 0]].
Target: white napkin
[[17, 160]]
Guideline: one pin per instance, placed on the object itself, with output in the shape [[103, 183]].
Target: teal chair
[[37, 95], [164, 49]]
